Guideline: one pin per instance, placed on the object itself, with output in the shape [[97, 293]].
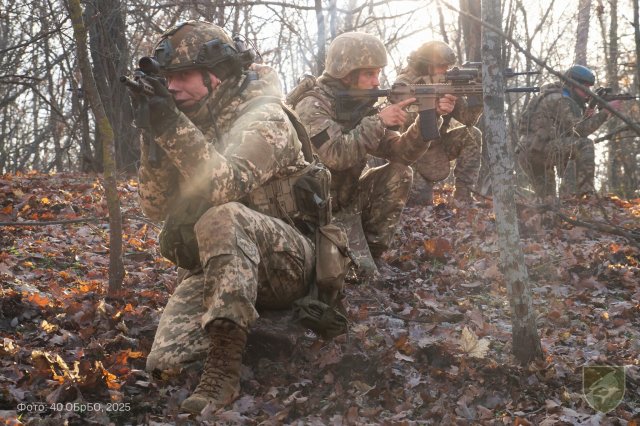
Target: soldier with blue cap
[[554, 128]]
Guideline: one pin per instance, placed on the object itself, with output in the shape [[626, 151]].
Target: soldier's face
[[188, 88], [581, 94], [368, 78], [440, 69]]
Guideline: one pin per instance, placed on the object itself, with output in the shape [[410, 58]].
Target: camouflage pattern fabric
[[383, 192], [250, 260], [461, 142], [250, 141], [345, 151], [555, 132], [179, 46], [354, 50], [539, 166]]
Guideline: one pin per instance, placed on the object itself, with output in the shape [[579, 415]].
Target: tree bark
[[582, 34], [615, 146], [116, 266], [636, 33], [569, 178], [322, 38], [443, 29], [471, 30], [525, 339], [110, 58]]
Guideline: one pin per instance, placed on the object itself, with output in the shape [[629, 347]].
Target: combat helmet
[[352, 51], [581, 74], [432, 53], [201, 45]]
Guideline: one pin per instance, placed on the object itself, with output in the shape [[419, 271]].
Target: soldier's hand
[[140, 105], [614, 105], [163, 113], [446, 104], [394, 114]]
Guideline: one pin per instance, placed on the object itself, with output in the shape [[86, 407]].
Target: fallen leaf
[[437, 248], [472, 346]]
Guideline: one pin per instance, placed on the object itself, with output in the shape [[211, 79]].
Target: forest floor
[[429, 342]]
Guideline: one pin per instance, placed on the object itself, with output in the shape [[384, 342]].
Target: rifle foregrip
[[429, 124]]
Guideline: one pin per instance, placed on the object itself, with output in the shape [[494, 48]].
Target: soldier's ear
[[351, 79]]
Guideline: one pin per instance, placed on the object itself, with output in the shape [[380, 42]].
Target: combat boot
[[220, 381], [462, 195], [421, 194]]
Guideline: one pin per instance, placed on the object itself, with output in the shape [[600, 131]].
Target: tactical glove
[[140, 106], [163, 113]]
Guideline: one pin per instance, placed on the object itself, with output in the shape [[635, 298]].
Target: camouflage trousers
[[462, 144], [372, 218], [541, 164], [251, 261]]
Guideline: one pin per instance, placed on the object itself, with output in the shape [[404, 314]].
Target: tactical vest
[[301, 199]]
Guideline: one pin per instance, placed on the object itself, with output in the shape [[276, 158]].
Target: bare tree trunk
[[471, 30], [322, 38], [110, 58], [333, 14], [582, 35], [636, 32], [569, 178], [443, 29], [116, 266], [525, 339], [615, 149], [472, 34]]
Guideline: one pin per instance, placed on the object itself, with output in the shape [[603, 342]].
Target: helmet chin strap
[[206, 80]]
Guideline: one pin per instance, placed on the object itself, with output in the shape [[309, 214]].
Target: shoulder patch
[[320, 139]]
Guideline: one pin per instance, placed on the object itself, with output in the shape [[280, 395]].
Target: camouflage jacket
[[236, 142], [344, 147], [462, 112], [555, 114]]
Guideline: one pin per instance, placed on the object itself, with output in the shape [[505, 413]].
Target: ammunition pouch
[[333, 259], [178, 241], [317, 311], [301, 199]]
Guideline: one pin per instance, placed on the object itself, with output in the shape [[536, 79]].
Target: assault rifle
[[605, 93], [456, 81], [148, 67]]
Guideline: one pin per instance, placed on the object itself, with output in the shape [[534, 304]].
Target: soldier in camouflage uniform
[[223, 134], [367, 202], [553, 129], [460, 141]]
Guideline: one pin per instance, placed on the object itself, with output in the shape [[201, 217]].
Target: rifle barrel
[[622, 97], [522, 89], [364, 93], [137, 85]]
